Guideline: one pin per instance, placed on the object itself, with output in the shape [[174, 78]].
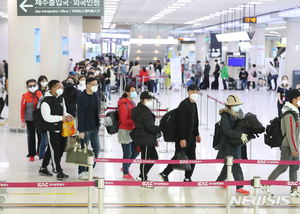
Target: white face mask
[[284, 82], [236, 108], [149, 104], [88, 68], [33, 89], [82, 82], [97, 73], [44, 84], [59, 92], [298, 103], [194, 96], [94, 89]]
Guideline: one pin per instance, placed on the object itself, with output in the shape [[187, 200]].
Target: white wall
[[75, 38], [186, 49], [4, 40]]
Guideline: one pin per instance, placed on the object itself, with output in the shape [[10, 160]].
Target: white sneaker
[[94, 175], [84, 176], [40, 162], [295, 193], [267, 190]]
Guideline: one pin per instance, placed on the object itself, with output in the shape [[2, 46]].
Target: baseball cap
[[223, 63], [193, 87], [146, 95], [72, 73], [198, 61], [83, 72]]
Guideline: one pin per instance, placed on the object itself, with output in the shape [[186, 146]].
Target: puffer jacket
[[124, 107], [28, 105], [145, 130]]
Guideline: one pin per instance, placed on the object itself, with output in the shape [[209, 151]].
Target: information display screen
[[236, 61]]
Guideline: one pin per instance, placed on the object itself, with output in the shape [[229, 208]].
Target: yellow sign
[[250, 20]]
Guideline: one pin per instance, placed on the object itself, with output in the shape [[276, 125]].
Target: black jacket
[[228, 122], [145, 129], [107, 74], [206, 70], [185, 120], [101, 84], [84, 112], [217, 70], [70, 96], [243, 78]]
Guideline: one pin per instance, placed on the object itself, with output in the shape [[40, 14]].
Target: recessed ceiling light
[[178, 4], [184, 1], [173, 7], [255, 2]]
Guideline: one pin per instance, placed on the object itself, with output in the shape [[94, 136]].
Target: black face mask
[[69, 85]]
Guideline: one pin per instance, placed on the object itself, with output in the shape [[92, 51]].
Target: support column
[[201, 48], [292, 40], [258, 41], [233, 47], [4, 40], [75, 34], [21, 55], [63, 59]]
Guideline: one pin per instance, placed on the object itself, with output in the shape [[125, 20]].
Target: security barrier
[[216, 110]]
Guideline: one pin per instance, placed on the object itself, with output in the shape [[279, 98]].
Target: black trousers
[[252, 85], [216, 81], [147, 152], [32, 140], [224, 84], [1, 105], [190, 152], [206, 81], [236, 171], [53, 151]]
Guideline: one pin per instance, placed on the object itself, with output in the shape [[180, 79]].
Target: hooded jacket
[[124, 108], [290, 127], [145, 129]]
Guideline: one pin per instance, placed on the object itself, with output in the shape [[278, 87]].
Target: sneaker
[[28, 156], [83, 176], [1, 118], [266, 189], [163, 177], [295, 193], [187, 180], [62, 176], [45, 172], [31, 158], [94, 175], [121, 170], [40, 162], [243, 191], [128, 177]]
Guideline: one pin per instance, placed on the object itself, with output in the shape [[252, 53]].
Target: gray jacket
[[123, 70], [290, 127], [197, 70]]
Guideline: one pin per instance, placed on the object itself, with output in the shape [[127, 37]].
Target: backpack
[[38, 120], [112, 121], [273, 136], [254, 74], [217, 135], [168, 125]]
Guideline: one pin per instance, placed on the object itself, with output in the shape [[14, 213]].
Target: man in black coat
[[216, 75], [188, 133], [206, 74]]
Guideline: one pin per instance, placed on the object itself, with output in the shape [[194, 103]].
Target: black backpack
[[273, 136], [168, 125], [217, 135], [38, 120], [254, 74], [112, 126]]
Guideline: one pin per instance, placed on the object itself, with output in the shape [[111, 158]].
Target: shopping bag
[[68, 129], [77, 155], [181, 156]]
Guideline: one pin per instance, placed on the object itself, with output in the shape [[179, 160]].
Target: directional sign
[[60, 7], [249, 19]]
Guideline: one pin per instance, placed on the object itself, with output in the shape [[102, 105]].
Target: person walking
[[290, 144], [54, 112], [273, 75], [228, 121], [125, 104], [206, 74], [145, 133], [28, 105], [188, 132], [251, 77], [88, 111], [283, 94], [224, 75], [216, 75]]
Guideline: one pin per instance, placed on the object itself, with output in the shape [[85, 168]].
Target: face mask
[[94, 89], [194, 96], [33, 89], [59, 92], [285, 82], [44, 84], [82, 82], [70, 85], [97, 73], [149, 104], [236, 108], [133, 94], [88, 68]]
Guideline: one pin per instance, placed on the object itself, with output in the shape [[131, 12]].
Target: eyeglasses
[[31, 86]]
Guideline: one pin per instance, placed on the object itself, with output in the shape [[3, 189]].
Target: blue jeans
[[92, 136], [197, 81], [43, 145], [274, 77], [153, 86], [108, 90], [129, 152], [244, 83]]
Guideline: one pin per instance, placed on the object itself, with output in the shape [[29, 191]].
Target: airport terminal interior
[[226, 51]]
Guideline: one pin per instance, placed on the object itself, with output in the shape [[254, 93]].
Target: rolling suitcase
[[238, 85]]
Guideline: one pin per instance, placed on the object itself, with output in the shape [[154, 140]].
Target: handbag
[[68, 129], [181, 156], [77, 155]]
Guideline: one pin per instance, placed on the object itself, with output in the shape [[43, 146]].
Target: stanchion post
[[90, 190], [251, 147], [207, 113], [216, 109], [201, 108], [121, 84], [229, 163], [100, 186], [255, 182]]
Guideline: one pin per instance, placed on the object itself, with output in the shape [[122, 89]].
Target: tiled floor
[[15, 167]]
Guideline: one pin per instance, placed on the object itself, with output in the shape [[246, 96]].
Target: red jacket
[[145, 75], [125, 114], [28, 105]]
